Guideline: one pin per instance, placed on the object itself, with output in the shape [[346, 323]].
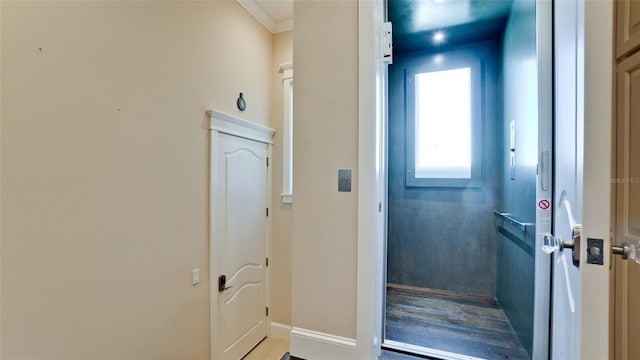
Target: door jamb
[[542, 261], [371, 162]]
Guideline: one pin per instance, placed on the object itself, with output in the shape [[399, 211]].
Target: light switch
[[195, 276], [344, 180]]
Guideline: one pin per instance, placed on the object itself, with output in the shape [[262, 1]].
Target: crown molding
[[263, 18], [283, 25]]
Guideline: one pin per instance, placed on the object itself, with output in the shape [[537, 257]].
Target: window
[[443, 125], [287, 134]]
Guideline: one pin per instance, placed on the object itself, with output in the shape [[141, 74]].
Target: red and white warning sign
[[544, 204]]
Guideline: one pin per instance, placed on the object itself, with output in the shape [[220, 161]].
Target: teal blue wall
[[516, 265]]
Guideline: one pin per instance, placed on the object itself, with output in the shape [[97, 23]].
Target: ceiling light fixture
[[438, 37]]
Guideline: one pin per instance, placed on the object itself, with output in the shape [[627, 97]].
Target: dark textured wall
[[444, 238], [516, 281], [515, 290]]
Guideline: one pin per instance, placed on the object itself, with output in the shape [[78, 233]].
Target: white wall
[[104, 170]]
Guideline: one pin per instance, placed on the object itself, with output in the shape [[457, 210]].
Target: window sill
[[287, 198]]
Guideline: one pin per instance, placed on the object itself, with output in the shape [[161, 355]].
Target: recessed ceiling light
[[438, 37]]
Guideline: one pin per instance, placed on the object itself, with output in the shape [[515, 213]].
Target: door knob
[[222, 283], [553, 244], [627, 251], [557, 243]]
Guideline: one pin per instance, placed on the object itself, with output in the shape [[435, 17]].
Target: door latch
[[222, 283]]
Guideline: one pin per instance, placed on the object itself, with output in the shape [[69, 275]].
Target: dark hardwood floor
[[458, 323]]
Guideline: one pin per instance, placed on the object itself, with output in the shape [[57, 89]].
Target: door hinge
[[267, 262], [267, 311], [387, 43], [267, 211], [267, 162]]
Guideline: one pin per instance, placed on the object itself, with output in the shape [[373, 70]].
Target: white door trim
[[233, 125], [371, 192], [544, 180], [596, 109], [221, 123]]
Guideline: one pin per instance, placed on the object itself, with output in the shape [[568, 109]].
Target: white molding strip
[[256, 11], [309, 344], [420, 350], [263, 18], [283, 25], [286, 66], [280, 331], [236, 126]]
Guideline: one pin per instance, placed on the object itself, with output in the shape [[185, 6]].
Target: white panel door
[[627, 230], [566, 276], [580, 293], [240, 203]]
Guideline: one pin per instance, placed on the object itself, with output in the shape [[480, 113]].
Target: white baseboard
[[280, 331], [309, 344]]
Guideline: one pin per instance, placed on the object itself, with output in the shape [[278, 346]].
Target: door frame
[[595, 107], [221, 123], [596, 110]]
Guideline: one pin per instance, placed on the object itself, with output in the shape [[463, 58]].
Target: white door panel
[[582, 153], [627, 180], [240, 202], [566, 276]]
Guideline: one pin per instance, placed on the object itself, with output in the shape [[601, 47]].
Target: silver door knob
[[553, 244], [627, 251]]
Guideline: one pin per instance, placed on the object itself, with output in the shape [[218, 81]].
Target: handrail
[[511, 220]]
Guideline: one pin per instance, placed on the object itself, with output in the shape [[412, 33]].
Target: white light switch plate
[[195, 276]]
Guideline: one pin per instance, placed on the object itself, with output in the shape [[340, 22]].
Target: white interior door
[[582, 176], [566, 276], [240, 229]]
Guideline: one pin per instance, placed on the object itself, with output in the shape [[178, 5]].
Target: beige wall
[[324, 227], [281, 221], [1, 180], [104, 170]]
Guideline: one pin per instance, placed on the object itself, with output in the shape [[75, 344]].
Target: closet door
[[628, 26], [627, 273]]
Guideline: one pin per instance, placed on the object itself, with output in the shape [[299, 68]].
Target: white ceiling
[[275, 15]]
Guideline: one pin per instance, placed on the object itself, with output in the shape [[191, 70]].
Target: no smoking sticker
[[544, 204]]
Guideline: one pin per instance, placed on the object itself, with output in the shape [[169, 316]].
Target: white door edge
[[544, 183], [371, 119]]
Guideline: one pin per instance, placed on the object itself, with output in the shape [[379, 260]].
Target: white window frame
[[477, 115], [287, 133]]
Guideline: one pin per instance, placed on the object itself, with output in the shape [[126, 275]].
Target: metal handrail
[[511, 220]]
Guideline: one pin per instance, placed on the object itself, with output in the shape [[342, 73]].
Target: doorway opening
[[464, 142]]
